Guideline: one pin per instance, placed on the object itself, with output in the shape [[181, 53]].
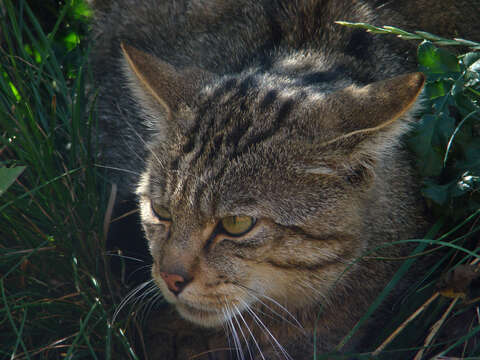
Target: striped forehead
[[236, 117]]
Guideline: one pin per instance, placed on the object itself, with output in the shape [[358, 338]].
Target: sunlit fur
[[266, 109]]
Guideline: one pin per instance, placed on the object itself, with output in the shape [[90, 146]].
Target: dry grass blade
[[379, 349], [435, 328]]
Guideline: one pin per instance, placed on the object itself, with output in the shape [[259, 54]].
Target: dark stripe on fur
[[297, 266], [255, 139], [268, 99]]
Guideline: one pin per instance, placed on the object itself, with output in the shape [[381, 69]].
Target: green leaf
[[71, 40], [81, 10], [425, 145], [429, 36], [445, 127], [435, 89], [8, 176], [437, 193], [471, 159], [435, 60]]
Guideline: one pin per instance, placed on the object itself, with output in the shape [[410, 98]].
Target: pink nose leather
[[174, 282]]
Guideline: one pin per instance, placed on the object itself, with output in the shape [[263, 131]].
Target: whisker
[[237, 345], [108, 253], [154, 300], [141, 268], [318, 292], [240, 328], [129, 297], [251, 334], [262, 325], [225, 328], [252, 292], [145, 304], [250, 311], [280, 316]]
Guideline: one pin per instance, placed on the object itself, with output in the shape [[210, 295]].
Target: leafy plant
[[446, 138], [445, 141]]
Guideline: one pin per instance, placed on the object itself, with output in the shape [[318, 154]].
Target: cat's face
[[253, 194], [245, 223]]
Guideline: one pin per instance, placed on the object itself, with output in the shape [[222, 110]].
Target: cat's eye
[[237, 225], [161, 212]]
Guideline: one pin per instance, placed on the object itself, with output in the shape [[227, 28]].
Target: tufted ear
[[358, 113], [159, 86]]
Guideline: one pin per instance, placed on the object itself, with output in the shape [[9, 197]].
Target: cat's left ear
[[361, 124], [373, 116], [159, 86]]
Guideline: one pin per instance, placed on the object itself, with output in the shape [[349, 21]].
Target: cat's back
[[225, 36]]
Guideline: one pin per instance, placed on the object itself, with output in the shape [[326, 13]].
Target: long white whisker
[[236, 340], [252, 292], [283, 308], [147, 304], [251, 334], [250, 311], [318, 292], [129, 297], [295, 324], [260, 322], [226, 315], [226, 328], [236, 313], [139, 269], [108, 253]]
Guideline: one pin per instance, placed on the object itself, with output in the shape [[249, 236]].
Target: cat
[[264, 144]]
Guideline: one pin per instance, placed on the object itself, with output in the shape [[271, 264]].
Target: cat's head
[[254, 187]]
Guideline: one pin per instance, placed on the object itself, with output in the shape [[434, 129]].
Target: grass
[[57, 293]]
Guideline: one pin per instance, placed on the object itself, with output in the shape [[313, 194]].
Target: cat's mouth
[[201, 316]]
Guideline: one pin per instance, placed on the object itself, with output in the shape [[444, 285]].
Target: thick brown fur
[[270, 110]]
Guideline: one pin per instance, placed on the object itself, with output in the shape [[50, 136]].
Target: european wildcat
[[268, 139]]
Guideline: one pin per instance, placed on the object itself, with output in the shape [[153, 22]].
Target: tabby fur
[[268, 109]]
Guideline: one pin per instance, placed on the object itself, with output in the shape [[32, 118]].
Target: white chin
[[201, 317]]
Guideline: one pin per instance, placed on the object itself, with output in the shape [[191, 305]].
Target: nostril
[[175, 283]]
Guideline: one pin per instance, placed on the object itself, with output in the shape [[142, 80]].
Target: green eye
[[161, 212], [237, 225]]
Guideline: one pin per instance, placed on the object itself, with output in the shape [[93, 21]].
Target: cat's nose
[[175, 283]]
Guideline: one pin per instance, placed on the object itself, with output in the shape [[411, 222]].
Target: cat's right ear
[[159, 86]]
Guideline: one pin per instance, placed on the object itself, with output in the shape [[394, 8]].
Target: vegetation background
[[58, 295]]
